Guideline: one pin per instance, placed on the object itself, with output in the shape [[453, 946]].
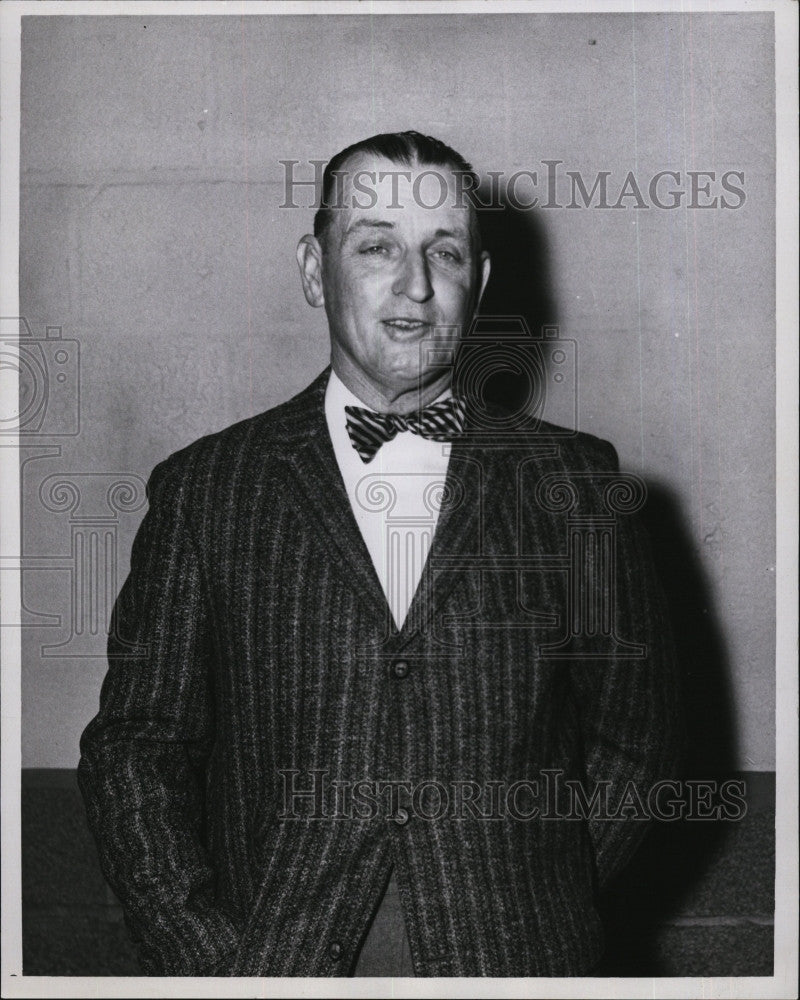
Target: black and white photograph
[[399, 502]]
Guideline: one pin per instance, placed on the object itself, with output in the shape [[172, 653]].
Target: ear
[[309, 260], [484, 270]]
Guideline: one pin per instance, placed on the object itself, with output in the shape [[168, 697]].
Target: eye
[[374, 250], [447, 255]]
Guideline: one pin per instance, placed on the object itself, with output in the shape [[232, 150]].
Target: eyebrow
[[458, 233], [368, 224]]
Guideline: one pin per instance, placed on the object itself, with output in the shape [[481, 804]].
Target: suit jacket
[[250, 653]]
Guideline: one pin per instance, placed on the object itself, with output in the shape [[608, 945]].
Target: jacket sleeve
[[629, 708], [143, 756]]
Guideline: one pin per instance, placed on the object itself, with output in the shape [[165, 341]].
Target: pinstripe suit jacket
[[251, 640]]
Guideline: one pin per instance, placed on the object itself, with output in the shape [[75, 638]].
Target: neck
[[391, 399]]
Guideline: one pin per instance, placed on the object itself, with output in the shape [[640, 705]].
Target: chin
[[399, 364], [399, 380], [409, 378]]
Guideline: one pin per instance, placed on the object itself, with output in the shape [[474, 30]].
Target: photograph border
[[783, 983]]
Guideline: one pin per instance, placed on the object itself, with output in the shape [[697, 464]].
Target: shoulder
[[244, 446], [577, 450]]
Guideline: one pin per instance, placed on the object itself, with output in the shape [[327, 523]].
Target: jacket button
[[335, 950], [400, 668], [401, 817]]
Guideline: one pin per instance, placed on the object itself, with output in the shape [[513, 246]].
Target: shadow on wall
[[661, 884], [711, 741], [520, 282], [519, 286]]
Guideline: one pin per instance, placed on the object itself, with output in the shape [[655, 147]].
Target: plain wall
[[151, 232]]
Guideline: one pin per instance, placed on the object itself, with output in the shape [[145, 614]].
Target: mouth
[[406, 324]]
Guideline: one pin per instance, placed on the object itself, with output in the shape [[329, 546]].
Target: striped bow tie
[[368, 430]]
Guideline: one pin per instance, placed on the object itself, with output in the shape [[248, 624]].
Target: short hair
[[406, 148]]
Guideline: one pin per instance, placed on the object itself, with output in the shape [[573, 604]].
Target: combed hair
[[403, 148]]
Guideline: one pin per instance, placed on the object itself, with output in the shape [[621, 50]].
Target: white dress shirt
[[395, 497]]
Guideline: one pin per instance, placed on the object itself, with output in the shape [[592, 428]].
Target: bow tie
[[440, 421]]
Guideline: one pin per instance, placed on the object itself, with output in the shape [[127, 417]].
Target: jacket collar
[[303, 416]]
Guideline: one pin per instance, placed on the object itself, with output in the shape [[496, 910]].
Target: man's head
[[396, 261]]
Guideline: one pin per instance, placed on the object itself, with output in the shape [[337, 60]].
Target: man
[[343, 616]]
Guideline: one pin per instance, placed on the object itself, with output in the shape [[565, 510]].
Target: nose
[[413, 281]]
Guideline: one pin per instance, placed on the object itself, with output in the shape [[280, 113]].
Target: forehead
[[416, 200]]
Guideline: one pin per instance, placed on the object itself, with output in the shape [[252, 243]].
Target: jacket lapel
[[321, 490], [482, 490], [457, 535]]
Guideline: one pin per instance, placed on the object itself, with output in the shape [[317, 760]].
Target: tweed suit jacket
[[250, 653]]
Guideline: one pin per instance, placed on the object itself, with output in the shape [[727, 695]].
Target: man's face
[[398, 275]]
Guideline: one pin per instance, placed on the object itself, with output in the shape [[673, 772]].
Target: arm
[[141, 770], [629, 709]]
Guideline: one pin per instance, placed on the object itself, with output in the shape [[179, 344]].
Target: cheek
[[368, 301], [350, 300], [358, 285], [454, 297]]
